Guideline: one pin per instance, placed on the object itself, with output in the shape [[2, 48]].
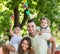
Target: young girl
[[44, 28], [14, 42], [25, 46]]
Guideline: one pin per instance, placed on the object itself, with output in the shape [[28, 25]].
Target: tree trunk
[[16, 17], [24, 20]]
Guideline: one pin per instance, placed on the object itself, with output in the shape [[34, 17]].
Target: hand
[[40, 32]]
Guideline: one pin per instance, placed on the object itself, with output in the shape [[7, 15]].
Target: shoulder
[[48, 28], [46, 36], [27, 36], [38, 28]]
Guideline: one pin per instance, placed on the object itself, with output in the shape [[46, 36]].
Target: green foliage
[[37, 21], [43, 8], [5, 21]]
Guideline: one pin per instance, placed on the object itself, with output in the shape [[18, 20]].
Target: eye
[[18, 29], [32, 25], [28, 26]]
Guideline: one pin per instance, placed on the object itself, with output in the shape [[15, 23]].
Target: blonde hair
[[45, 18], [16, 29]]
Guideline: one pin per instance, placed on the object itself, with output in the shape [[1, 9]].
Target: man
[[39, 42]]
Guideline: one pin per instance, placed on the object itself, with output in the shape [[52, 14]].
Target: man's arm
[[52, 40]]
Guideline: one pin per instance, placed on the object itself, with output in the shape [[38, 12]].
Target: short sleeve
[[46, 36], [48, 28]]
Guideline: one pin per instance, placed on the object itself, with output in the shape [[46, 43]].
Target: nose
[[31, 28], [24, 45]]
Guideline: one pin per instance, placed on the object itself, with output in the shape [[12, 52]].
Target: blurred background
[[18, 12]]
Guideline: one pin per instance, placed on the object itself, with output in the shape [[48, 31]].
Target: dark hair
[[45, 18], [20, 50], [32, 20]]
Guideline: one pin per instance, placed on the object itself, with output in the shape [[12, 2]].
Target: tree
[[44, 8]]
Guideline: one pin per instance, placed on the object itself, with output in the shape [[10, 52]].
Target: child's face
[[25, 45], [18, 31], [44, 23]]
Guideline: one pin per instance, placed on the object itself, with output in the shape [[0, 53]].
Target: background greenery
[[43, 8]]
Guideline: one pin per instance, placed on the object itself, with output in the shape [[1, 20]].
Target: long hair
[[20, 50]]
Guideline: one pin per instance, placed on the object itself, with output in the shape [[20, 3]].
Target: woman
[[25, 46]]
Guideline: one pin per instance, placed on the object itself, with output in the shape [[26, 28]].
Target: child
[[14, 42], [44, 28], [25, 46]]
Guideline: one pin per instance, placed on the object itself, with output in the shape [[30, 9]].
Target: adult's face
[[25, 45], [31, 27]]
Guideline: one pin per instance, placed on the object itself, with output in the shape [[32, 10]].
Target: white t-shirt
[[15, 40], [39, 43]]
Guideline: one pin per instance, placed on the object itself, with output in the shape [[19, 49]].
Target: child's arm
[[8, 47], [40, 32], [11, 31]]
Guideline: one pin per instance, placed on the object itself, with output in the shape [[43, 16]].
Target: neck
[[24, 51], [44, 28], [33, 34], [17, 34]]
